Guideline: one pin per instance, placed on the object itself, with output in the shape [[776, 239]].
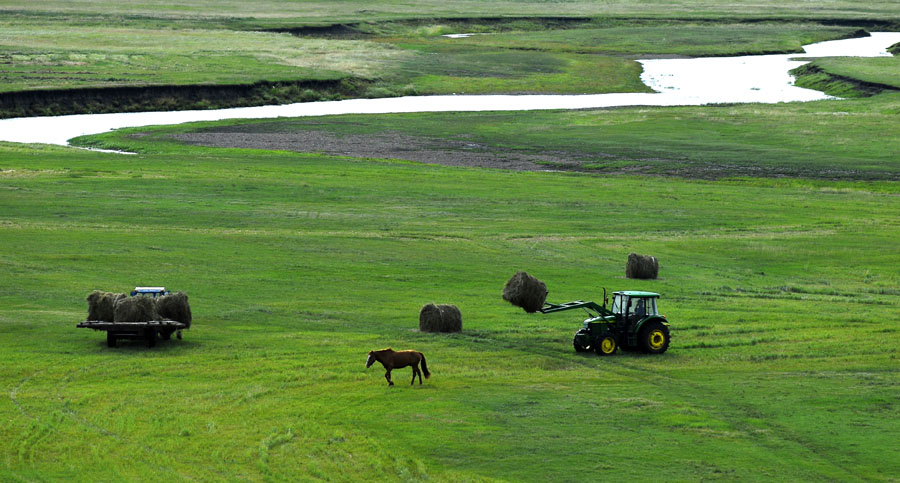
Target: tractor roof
[[637, 293]]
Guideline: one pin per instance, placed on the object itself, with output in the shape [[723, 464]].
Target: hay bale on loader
[[641, 266], [135, 309], [523, 290], [440, 318], [174, 307], [101, 305]]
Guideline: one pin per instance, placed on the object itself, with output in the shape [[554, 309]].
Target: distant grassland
[[57, 56], [383, 49], [878, 70], [848, 77], [672, 38], [287, 11], [826, 139]]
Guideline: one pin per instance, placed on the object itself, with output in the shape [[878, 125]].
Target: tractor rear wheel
[[607, 346], [654, 338]]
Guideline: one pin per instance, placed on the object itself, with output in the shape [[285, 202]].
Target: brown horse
[[392, 359]]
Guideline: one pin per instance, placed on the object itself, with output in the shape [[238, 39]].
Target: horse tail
[[424, 367]]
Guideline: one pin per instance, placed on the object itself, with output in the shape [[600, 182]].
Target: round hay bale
[[135, 309], [101, 305], [175, 307], [641, 266], [523, 290], [440, 318]]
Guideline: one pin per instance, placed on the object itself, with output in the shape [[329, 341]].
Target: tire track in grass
[[628, 366], [163, 454], [780, 432], [36, 430]]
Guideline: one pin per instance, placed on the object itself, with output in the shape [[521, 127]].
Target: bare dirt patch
[[387, 145]]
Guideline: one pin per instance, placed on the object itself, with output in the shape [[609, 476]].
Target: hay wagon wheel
[[166, 334], [110, 338]]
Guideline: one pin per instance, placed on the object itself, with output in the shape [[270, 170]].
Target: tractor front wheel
[[607, 346], [580, 348], [654, 338]]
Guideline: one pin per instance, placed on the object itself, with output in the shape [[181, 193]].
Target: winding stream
[[678, 82]]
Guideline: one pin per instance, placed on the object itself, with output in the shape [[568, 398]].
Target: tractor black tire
[[580, 348], [606, 346], [151, 338], [654, 338]]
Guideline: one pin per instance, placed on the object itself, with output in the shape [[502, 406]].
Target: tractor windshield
[[618, 302], [651, 307]]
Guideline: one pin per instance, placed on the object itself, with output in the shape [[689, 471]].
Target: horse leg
[[415, 371], [387, 375]]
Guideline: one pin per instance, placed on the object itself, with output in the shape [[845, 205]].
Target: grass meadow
[[776, 228], [782, 296]]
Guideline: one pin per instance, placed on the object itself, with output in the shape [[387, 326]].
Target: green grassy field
[[782, 295]]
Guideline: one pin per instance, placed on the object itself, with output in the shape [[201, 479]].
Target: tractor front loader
[[632, 322]]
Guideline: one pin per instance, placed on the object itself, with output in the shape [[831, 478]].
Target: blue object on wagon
[[151, 291]]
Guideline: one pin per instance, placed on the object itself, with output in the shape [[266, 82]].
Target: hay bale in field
[[175, 307], [101, 305], [525, 291], [440, 318], [136, 309], [641, 266]]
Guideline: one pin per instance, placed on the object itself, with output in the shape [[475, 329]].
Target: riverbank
[[57, 66], [754, 79]]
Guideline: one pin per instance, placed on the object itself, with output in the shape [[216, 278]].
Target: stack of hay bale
[[101, 305], [136, 309], [175, 307], [523, 290], [440, 318], [118, 307]]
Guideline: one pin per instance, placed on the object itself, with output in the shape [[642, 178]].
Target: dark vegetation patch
[[813, 76], [447, 25], [175, 98]]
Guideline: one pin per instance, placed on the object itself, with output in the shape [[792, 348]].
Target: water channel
[[678, 82]]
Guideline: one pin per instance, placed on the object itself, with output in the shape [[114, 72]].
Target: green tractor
[[632, 323]]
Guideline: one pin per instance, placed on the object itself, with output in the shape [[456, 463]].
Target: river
[[678, 82]]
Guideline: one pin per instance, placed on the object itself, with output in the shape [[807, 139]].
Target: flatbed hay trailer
[[148, 331]]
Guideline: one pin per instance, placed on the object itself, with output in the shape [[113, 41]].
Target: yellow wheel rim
[[608, 345], [657, 339]]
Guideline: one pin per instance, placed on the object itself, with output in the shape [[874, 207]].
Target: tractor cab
[[631, 307]]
